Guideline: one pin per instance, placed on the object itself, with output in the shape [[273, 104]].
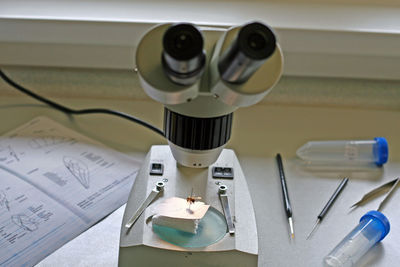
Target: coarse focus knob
[[197, 133]]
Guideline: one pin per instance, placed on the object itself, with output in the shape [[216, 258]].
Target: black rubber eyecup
[[183, 41], [256, 40]]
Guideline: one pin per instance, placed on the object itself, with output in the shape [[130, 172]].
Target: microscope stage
[[213, 245]]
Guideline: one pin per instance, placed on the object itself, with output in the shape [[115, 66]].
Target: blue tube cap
[[384, 224], [381, 151]]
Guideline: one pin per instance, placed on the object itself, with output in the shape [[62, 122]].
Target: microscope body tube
[[253, 45], [183, 57], [183, 67], [236, 67]]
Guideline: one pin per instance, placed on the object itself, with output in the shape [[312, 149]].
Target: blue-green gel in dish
[[212, 228]]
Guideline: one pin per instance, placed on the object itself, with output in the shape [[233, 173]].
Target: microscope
[[201, 75]]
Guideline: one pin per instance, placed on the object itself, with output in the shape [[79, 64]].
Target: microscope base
[[141, 246]]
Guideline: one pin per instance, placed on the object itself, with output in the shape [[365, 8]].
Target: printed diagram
[[7, 153], [24, 222], [79, 170], [48, 141], [4, 201], [48, 138]]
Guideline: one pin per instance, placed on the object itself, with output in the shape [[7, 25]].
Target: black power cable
[[71, 111]]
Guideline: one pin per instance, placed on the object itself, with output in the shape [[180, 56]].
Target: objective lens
[[254, 43], [183, 57]]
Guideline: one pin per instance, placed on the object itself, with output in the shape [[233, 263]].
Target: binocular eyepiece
[[183, 57]]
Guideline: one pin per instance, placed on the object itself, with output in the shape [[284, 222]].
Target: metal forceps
[[391, 184]]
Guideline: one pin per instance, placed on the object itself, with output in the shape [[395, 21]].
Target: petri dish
[[212, 228]]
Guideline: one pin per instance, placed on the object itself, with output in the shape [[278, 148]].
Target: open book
[[54, 184]]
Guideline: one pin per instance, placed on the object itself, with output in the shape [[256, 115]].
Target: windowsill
[[335, 40]]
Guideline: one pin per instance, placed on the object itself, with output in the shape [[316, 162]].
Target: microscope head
[[202, 76]]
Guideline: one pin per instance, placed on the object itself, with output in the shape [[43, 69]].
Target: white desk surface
[[259, 133]]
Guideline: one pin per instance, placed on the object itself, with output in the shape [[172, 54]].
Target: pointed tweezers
[[391, 184]]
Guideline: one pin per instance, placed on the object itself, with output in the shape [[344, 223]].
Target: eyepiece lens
[[183, 42], [257, 41]]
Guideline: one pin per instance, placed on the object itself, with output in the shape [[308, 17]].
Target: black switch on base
[[222, 172], [156, 169]]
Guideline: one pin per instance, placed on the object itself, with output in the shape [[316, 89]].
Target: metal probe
[[329, 204], [285, 194]]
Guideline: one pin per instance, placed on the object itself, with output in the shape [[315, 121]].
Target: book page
[[54, 184]]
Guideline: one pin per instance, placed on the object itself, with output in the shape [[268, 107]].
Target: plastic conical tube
[[346, 152], [373, 227]]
